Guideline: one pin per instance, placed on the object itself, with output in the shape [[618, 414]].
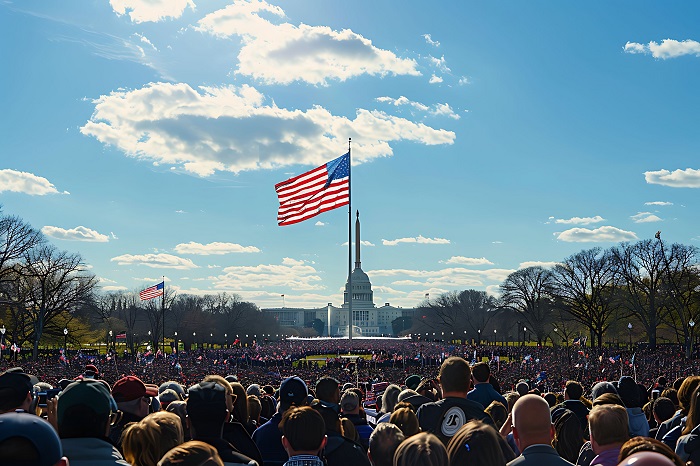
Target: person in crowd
[[240, 408], [303, 436], [414, 398], [511, 398], [145, 442], [383, 442], [573, 391], [498, 413], [207, 413], [476, 444], [601, 388], [15, 392], [568, 436], [688, 442], [631, 396], [166, 397], [662, 410], [522, 388], [192, 453], [328, 393], [389, 399], [406, 420], [268, 437], [234, 432], [646, 458], [340, 450], [445, 417], [254, 410], [533, 432], [26, 439], [85, 411], [609, 431], [179, 408], [644, 444], [133, 400], [423, 449], [350, 409], [685, 393], [483, 392], [587, 454]]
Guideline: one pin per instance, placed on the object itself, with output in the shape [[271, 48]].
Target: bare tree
[[681, 278], [16, 239], [528, 292], [54, 281], [466, 313], [639, 267], [584, 284]]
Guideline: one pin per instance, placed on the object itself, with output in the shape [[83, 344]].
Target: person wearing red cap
[[133, 398]]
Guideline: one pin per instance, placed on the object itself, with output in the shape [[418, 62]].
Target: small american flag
[[152, 292], [319, 190]]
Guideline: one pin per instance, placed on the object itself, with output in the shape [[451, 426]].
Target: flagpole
[[349, 242], [163, 315]]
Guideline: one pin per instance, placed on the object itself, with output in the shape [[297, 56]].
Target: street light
[[479, 331], [110, 340], [556, 333], [692, 341], [65, 339], [524, 335], [494, 337], [629, 328], [2, 339], [194, 334]]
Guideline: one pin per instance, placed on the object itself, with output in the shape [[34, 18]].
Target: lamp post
[[110, 340], [692, 341], [557, 335], [65, 340], [226, 340], [479, 331], [524, 336], [2, 338], [194, 343], [176, 348], [494, 337], [629, 329]]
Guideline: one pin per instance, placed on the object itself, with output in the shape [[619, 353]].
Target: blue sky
[[487, 136]]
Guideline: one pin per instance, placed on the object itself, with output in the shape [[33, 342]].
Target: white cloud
[[430, 40], [166, 279], [362, 242], [165, 261], [213, 248], [580, 220], [419, 239], [468, 260], [645, 217], [284, 53], [456, 277], [113, 235], [27, 183], [213, 266], [436, 110], [114, 288], [463, 81], [688, 178], [79, 233], [668, 48], [661, 203], [602, 234], [180, 211], [435, 79], [230, 129], [141, 11], [544, 264], [439, 63], [291, 274], [145, 40], [320, 224]]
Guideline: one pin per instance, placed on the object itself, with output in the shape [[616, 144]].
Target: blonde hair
[[422, 449], [145, 442], [192, 453]]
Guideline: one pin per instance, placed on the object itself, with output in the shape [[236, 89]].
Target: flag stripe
[[152, 292], [319, 190]]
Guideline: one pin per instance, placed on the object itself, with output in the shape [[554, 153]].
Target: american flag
[[319, 190], [152, 292]]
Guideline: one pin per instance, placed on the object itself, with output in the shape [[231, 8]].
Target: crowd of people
[[359, 403]]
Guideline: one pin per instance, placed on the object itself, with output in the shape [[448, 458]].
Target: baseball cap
[[412, 381], [168, 396], [206, 399], [293, 390], [87, 392], [172, 385], [254, 389], [35, 430], [18, 382], [130, 388], [231, 378], [349, 401]]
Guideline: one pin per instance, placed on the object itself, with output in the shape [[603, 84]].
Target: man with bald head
[[533, 432]]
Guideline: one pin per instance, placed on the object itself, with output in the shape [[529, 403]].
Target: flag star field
[[151, 137]]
